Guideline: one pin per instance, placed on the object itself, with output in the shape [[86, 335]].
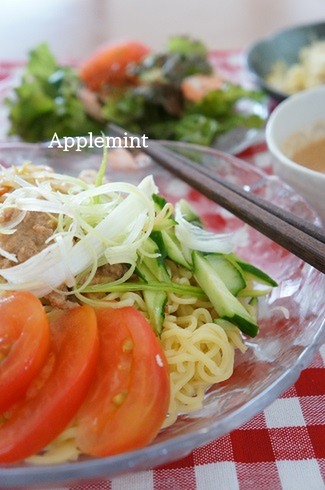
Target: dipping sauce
[[311, 155], [307, 147]]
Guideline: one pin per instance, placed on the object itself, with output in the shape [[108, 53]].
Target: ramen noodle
[[199, 351]]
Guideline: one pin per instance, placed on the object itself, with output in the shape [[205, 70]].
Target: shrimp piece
[[195, 87]]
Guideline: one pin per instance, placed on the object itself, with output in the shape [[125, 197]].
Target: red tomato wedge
[[55, 395], [109, 65], [129, 398], [24, 344]]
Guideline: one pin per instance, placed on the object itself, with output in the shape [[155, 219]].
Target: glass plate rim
[[113, 466]]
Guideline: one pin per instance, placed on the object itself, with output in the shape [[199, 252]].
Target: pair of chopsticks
[[303, 239]]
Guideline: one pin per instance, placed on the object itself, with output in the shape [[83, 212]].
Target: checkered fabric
[[281, 448]]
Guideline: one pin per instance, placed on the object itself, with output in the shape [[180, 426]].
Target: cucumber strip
[[158, 286], [155, 264], [253, 272], [189, 214], [174, 250], [169, 219], [252, 307], [255, 293], [155, 300], [170, 246], [151, 267], [158, 239], [226, 305], [229, 272], [225, 324]]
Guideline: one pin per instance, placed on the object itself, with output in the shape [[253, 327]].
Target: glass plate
[[274, 358]]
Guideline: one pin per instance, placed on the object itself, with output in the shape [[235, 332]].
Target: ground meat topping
[[109, 273], [60, 301], [30, 237]]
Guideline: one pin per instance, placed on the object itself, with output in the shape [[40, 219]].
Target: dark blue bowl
[[284, 45]]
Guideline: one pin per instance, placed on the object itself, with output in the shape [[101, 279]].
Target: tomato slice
[[109, 65], [128, 400], [24, 344], [55, 395]]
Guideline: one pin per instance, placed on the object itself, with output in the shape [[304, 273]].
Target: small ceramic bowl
[[285, 46], [293, 123]]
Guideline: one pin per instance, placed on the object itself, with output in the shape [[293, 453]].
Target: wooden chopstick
[[301, 238], [287, 216]]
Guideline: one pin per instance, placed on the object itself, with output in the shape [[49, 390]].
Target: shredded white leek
[[95, 224], [195, 238], [115, 228], [7, 255]]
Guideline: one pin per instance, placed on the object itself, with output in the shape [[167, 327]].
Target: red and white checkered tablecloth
[[281, 448]]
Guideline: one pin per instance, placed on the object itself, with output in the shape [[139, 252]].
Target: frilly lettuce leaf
[[46, 101]]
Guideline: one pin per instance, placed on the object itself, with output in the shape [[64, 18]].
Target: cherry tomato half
[[55, 395], [24, 344], [128, 400], [109, 65]]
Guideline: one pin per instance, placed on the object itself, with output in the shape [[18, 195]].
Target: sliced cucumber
[[228, 271], [189, 214], [170, 246], [153, 269], [156, 236], [155, 300], [159, 201], [225, 303], [169, 220], [253, 293], [252, 307], [253, 272], [155, 264], [225, 324]]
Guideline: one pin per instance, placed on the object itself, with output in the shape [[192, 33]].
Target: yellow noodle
[[62, 449], [199, 353]]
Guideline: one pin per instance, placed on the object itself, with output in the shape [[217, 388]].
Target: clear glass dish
[[274, 358]]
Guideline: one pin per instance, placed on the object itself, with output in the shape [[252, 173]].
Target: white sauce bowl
[[299, 113]]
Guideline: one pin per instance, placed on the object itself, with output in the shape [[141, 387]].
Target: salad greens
[[158, 107], [47, 100]]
